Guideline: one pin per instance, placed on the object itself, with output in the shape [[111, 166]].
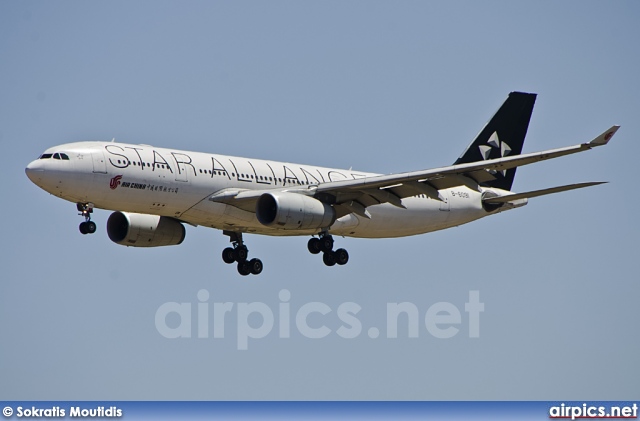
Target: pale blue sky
[[377, 86]]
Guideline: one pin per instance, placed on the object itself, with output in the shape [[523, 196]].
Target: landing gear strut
[[239, 253], [88, 226], [324, 244]]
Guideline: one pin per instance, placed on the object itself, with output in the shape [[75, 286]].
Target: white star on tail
[[494, 142]]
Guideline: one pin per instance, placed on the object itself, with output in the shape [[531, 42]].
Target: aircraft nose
[[34, 170]]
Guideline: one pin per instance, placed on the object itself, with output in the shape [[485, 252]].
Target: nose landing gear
[[88, 226]]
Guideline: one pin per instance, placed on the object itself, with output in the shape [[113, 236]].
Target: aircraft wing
[[392, 188], [355, 195]]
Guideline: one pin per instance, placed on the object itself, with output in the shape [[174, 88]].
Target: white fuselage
[[178, 184]]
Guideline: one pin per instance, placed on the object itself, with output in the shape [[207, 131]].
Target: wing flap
[[481, 176]]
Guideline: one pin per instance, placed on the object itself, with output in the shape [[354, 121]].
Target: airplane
[[155, 191]]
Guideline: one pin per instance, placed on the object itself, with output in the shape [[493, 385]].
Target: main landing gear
[[239, 253], [88, 226], [324, 244]]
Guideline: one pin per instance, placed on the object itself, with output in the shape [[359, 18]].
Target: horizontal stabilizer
[[536, 193]]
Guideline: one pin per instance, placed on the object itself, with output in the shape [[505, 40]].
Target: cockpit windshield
[[60, 155]]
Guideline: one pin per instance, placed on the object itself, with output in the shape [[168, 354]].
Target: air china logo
[[115, 182]]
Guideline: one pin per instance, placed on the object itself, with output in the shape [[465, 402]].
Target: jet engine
[[141, 230], [293, 211]]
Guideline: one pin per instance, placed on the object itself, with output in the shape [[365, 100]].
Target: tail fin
[[502, 136]]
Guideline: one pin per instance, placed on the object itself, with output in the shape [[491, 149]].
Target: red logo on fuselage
[[115, 182]]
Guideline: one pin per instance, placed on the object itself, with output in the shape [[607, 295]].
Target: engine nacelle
[[141, 230], [293, 211]]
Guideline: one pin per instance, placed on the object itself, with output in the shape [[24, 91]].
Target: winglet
[[604, 138]]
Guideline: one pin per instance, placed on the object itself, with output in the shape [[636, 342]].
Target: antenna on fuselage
[[113, 140]]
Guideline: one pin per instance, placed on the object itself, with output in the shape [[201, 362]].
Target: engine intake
[[141, 230], [293, 211]]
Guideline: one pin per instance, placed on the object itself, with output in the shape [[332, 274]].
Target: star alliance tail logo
[[115, 182], [494, 142]]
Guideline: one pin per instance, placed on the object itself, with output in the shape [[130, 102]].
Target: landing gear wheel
[[314, 246], [240, 254], [326, 243], [329, 258], [228, 255], [341, 256], [243, 268], [255, 266], [86, 209]]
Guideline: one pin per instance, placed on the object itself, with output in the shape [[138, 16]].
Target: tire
[[314, 246], [326, 243], [243, 268], [228, 255], [255, 265], [83, 228], [329, 259], [91, 227], [240, 254], [342, 257]]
